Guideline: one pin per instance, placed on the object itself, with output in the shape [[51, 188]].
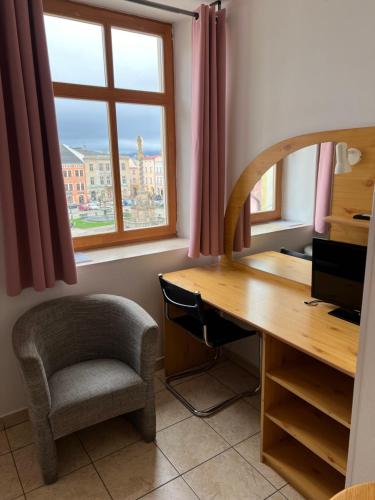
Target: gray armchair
[[85, 359]]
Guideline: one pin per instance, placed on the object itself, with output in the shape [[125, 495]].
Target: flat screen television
[[338, 273]]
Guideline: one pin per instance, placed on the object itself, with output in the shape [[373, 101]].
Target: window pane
[[75, 50], [137, 60], [263, 196], [85, 149], [142, 165]]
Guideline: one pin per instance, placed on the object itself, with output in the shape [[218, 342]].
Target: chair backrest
[[190, 302], [293, 253]]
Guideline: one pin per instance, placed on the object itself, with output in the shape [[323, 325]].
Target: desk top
[[274, 303]]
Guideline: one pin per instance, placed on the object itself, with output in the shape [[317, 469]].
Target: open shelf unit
[[302, 469], [325, 437], [306, 416], [309, 381]]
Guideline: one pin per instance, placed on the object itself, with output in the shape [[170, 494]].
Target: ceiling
[[140, 10]]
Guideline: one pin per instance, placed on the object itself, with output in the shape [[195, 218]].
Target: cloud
[[76, 56]]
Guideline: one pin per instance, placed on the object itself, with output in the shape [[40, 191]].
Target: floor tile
[[189, 443], [10, 486], [236, 423], [290, 493], [83, 484], [168, 410], [204, 391], [254, 401], [276, 496], [135, 471], [228, 476], [71, 456], [4, 446], [160, 374], [234, 376], [250, 450], [175, 490], [109, 436], [20, 435]]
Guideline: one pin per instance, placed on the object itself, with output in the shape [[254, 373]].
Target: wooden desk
[[309, 361]]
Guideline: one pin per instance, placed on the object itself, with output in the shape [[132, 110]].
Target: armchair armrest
[[33, 370], [136, 337]]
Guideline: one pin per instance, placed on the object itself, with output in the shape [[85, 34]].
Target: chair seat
[[93, 391], [220, 331]]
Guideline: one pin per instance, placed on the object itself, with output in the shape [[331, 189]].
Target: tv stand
[[347, 315]]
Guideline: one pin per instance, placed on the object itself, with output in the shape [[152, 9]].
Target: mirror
[[295, 195]]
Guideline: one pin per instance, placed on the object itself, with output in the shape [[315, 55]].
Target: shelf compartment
[[312, 477], [347, 221], [323, 387], [317, 432]]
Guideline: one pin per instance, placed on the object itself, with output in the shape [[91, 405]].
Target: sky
[[76, 56]]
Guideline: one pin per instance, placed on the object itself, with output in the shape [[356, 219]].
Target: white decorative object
[[346, 158]]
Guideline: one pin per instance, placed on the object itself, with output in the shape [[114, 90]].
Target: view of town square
[[89, 187]]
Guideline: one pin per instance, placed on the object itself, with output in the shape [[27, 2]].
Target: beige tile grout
[[15, 465], [93, 464], [192, 489]]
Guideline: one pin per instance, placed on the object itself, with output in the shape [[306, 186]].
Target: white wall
[[297, 66], [299, 185], [182, 58]]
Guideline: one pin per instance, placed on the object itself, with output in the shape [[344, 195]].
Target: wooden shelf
[[312, 477], [347, 221], [323, 387], [319, 433]]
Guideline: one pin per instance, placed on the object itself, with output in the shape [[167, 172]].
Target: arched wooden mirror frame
[[361, 138]]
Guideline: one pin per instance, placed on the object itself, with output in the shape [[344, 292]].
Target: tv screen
[[338, 273]]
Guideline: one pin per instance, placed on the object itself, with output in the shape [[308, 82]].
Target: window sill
[[276, 226], [130, 251], [135, 250]]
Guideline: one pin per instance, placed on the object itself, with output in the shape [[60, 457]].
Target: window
[[265, 198], [113, 86]]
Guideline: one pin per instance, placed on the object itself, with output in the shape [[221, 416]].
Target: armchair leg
[[145, 421], [46, 452]]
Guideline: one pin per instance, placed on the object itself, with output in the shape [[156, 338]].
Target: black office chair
[[293, 253], [206, 325]]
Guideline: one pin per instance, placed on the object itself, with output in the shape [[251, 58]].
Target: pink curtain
[[37, 239], [324, 186], [208, 138], [208, 133]]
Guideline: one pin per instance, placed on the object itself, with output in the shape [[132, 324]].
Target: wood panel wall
[[352, 194]]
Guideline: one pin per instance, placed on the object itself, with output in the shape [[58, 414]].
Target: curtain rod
[[170, 8]]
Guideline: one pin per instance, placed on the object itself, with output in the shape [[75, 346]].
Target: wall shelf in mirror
[[347, 221]]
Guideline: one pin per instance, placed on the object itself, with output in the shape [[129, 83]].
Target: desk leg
[[182, 351]]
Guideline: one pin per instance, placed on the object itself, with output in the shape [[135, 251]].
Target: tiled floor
[[214, 458]]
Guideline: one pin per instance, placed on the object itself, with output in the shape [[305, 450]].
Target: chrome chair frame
[[206, 412]]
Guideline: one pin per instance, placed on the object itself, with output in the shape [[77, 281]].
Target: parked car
[[73, 205], [127, 203], [83, 207]]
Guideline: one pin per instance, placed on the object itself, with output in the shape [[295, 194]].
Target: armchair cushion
[[92, 391]]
